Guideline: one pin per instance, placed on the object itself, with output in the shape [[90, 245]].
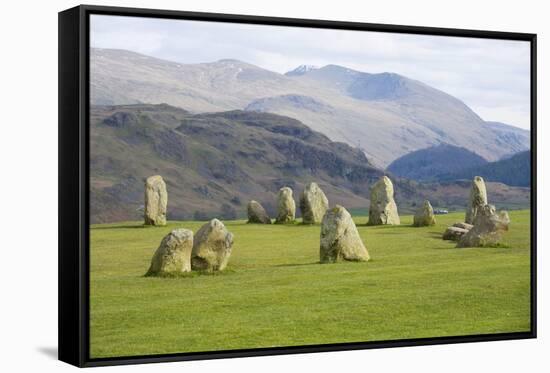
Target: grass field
[[274, 292]]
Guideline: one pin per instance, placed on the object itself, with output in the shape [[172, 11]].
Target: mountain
[[427, 164], [446, 163], [515, 171], [514, 138], [385, 115], [214, 163], [300, 70]]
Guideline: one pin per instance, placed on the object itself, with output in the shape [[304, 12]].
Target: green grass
[[274, 292]]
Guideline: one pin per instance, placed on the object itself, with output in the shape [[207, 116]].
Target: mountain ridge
[[385, 122], [214, 163], [513, 171], [426, 164]]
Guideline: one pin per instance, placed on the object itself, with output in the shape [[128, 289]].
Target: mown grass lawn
[[274, 292]]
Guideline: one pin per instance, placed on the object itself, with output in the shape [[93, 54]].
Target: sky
[[490, 76]]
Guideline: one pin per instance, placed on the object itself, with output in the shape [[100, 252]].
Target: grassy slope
[[275, 294]]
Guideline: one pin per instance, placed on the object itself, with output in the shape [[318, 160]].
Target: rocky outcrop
[[383, 209], [174, 254], [489, 225], [478, 199], [454, 233], [156, 200], [424, 215], [313, 204], [211, 247], [257, 214], [286, 207], [340, 239]]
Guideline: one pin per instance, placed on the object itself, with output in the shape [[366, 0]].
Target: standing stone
[[488, 228], [313, 204], [478, 199], [286, 207], [424, 216], [174, 253], [156, 200], [383, 209], [211, 247], [257, 214], [340, 239]]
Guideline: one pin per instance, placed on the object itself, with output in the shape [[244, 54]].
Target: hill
[[515, 171], [512, 137], [214, 163], [387, 115], [426, 164]]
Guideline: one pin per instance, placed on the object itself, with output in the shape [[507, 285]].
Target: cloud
[[491, 76]]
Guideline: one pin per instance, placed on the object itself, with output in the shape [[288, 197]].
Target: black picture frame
[[74, 183]]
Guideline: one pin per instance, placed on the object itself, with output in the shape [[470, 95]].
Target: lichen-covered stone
[[383, 209], [489, 226], [156, 200], [424, 215], [340, 238], [478, 199], [174, 253], [463, 225], [454, 233], [257, 214], [211, 247], [313, 204], [286, 207]]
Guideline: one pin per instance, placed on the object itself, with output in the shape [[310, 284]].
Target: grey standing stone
[[313, 204], [286, 207], [156, 200], [174, 253], [257, 214], [211, 247], [383, 209], [488, 228], [424, 215], [478, 199], [340, 238]]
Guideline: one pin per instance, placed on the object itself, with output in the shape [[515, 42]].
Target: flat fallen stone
[[463, 226], [454, 233]]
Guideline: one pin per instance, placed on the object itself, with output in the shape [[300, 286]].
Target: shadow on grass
[[192, 274], [128, 226], [383, 226], [395, 233], [296, 264], [452, 246]]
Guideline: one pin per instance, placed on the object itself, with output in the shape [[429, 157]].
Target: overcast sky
[[491, 76]]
